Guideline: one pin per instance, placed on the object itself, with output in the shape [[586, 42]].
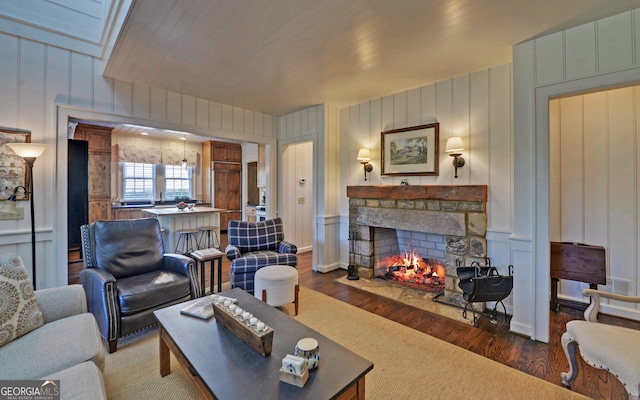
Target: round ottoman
[[277, 285]]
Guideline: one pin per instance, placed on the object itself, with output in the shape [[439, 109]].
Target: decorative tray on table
[[245, 326]]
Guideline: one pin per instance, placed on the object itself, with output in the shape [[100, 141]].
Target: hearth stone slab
[[415, 298], [441, 223]]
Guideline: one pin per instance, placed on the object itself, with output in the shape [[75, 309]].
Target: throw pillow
[[19, 311]]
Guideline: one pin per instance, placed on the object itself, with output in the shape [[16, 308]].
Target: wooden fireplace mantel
[[476, 193]]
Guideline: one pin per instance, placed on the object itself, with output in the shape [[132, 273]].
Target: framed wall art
[[411, 151], [13, 169]]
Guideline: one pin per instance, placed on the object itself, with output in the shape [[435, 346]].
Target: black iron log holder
[[481, 284]]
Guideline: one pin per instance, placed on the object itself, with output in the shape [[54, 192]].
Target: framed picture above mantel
[[411, 151]]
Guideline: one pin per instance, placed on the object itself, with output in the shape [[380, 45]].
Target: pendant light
[[184, 151]]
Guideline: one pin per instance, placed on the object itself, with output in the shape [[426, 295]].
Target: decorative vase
[[308, 349]]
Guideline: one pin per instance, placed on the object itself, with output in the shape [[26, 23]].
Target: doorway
[[297, 194], [593, 186]]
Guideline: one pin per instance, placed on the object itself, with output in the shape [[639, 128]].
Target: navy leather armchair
[[127, 275], [256, 245]]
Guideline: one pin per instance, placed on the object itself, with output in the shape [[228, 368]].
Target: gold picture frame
[[14, 172], [411, 151]]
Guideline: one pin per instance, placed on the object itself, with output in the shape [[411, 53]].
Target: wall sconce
[[454, 147], [364, 157]]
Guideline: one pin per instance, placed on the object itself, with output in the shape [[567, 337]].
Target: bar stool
[[208, 237], [187, 241]]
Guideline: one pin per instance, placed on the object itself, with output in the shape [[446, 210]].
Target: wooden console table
[[577, 262]]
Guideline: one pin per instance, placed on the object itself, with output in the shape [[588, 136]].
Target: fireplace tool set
[[482, 284]]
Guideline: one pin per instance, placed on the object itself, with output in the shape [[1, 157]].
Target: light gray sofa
[[67, 347]]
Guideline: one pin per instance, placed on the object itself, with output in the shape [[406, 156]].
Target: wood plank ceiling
[[277, 56]]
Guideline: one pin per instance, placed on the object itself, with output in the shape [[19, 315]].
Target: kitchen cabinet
[[127, 213], [99, 149], [223, 151], [227, 191], [213, 154], [226, 160]]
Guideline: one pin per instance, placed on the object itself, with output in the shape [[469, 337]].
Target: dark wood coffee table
[[224, 367]]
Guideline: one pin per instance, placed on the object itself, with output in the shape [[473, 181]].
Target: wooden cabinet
[[99, 142], [227, 191], [229, 152], [226, 162], [127, 213]]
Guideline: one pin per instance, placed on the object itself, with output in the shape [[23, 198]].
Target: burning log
[[411, 269]]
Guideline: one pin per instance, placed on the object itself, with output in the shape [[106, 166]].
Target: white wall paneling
[[43, 86], [476, 107], [587, 58], [320, 125], [593, 185]]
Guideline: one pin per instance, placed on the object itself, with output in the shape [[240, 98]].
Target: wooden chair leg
[[295, 301], [264, 295], [112, 346]]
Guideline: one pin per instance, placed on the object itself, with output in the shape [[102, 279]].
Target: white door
[[297, 193]]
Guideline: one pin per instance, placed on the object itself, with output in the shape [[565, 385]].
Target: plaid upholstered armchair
[[256, 245]]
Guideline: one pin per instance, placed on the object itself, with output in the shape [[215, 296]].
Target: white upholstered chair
[[613, 348]]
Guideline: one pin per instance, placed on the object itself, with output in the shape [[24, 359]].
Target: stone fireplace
[[456, 212]]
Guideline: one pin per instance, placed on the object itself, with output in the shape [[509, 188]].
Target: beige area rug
[[413, 297], [407, 364]]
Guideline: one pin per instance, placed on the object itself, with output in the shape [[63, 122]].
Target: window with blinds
[[138, 181], [177, 181]]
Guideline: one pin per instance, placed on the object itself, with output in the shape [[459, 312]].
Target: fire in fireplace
[[411, 270]]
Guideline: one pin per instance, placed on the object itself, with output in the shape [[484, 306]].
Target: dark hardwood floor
[[494, 341]]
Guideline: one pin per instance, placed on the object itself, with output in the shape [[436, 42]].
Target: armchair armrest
[[591, 313], [101, 291], [61, 302], [287, 247], [178, 263], [183, 265], [232, 252]]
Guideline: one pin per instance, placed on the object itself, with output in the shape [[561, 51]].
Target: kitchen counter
[[173, 210], [172, 220], [156, 205], [132, 206]]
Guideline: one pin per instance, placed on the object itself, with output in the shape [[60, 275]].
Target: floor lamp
[[29, 152]]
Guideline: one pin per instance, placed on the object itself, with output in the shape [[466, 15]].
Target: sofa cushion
[[143, 251], [19, 311], [53, 347], [141, 292], [253, 261], [82, 382], [250, 236]]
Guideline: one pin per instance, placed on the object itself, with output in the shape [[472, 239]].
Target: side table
[[208, 256]]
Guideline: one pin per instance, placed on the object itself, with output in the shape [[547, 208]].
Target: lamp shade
[[454, 145], [27, 150], [363, 155]]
